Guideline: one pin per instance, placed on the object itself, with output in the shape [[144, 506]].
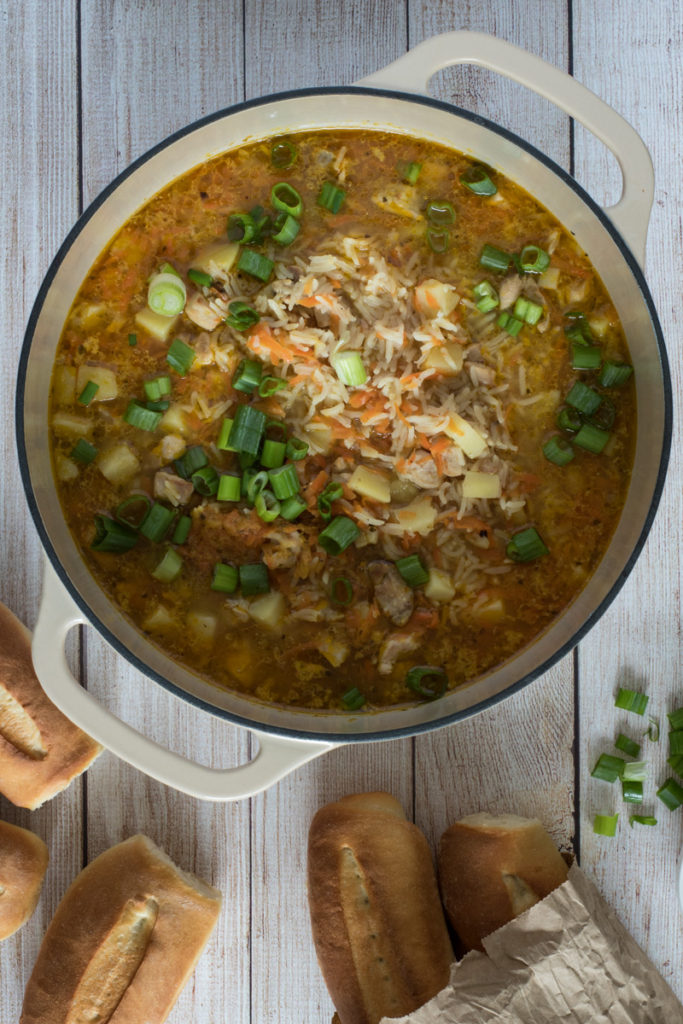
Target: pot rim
[[308, 734]]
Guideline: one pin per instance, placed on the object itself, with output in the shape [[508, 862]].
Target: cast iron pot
[[394, 99]]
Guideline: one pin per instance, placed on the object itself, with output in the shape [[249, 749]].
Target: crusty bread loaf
[[492, 868], [23, 863], [41, 751], [378, 925], [123, 942]]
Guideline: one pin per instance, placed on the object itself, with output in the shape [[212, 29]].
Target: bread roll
[[23, 863], [123, 942], [492, 868], [41, 751], [378, 925]]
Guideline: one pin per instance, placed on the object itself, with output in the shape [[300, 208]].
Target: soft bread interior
[[18, 728], [522, 896], [501, 822]]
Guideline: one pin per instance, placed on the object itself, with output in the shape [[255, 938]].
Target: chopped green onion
[[439, 240], [283, 154], [200, 278], [652, 731], [349, 368], [285, 481], [642, 819], [84, 452], [267, 506], [671, 794], [132, 340], [557, 450], [241, 228], [291, 508], [579, 330], [229, 488], [254, 579], [353, 699], [632, 791], [157, 388], [412, 570], [628, 746], [205, 481], [246, 460], [510, 324], [225, 578], [255, 264], [169, 567], [409, 172], [494, 259], [158, 406], [486, 296], [112, 536], [132, 510], [427, 681], [286, 229], [630, 700], [477, 180], [676, 742], [192, 460], [180, 356], [338, 535], [296, 449], [241, 316], [675, 719], [247, 430], [569, 419], [635, 771], [247, 376], [676, 763], [526, 545], [286, 198], [605, 825], [262, 223], [88, 393], [166, 294], [608, 768], [331, 197], [182, 530], [583, 398], [138, 416], [341, 591], [591, 438], [270, 386], [273, 454], [533, 260], [528, 311], [253, 482], [440, 212], [585, 357], [605, 416], [156, 523], [332, 492], [613, 375], [224, 434], [278, 425]]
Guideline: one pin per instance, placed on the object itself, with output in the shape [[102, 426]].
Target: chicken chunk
[[421, 470], [393, 648], [170, 487], [201, 313], [394, 597]]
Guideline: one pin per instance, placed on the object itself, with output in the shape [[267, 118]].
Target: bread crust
[[131, 897], [491, 868], [23, 863], [378, 925], [41, 751]]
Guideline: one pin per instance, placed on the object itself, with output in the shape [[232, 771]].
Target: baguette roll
[[41, 751], [23, 863], [378, 926], [493, 868], [123, 942]]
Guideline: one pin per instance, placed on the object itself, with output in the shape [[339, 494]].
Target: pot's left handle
[[277, 756]]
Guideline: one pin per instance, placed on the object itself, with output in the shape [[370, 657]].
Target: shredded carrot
[[357, 399], [424, 618], [316, 487], [373, 410], [466, 523], [263, 341]]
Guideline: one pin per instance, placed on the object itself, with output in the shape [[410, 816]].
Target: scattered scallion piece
[[628, 746], [88, 393], [608, 768], [254, 579], [510, 324], [632, 791], [569, 419], [132, 340], [182, 530], [225, 578], [286, 229], [578, 330], [291, 508], [190, 461], [285, 481], [477, 180], [286, 198], [341, 591], [642, 819], [526, 545], [486, 296], [255, 264], [180, 356], [279, 426], [605, 825], [635, 771], [205, 481], [270, 386], [528, 311], [283, 154], [112, 536], [676, 742], [332, 492], [296, 449], [585, 357], [224, 434], [412, 570], [583, 398], [253, 482], [592, 439], [267, 506], [676, 763], [494, 259], [428, 681], [652, 731], [338, 535], [605, 415], [84, 452], [440, 212], [613, 375], [273, 454], [156, 523], [241, 316], [349, 368], [671, 794], [247, 430], [331, 197], [439, 240], [533, 260], [138, 416], [229, 487], [409, 172], [166, 294], [675, 719], [630, 700], [132, 510], [557, 450], [157, 388], [241, 228], [247, 376], [169, 568], [353, 699], [200, 278]]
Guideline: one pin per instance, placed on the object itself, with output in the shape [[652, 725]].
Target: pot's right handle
[[277, 755], [413, 71]]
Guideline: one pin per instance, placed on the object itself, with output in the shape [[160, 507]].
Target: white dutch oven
[[393, 99]]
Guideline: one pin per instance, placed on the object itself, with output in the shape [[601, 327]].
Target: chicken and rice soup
[[342, 420]]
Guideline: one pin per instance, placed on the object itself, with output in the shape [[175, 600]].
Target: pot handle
[[277, 756], [413, 71]]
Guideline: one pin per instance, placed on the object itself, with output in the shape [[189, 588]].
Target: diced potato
[[465, 436], [269, 610], [174, 421], [159, 621], [219, 256], [549, 278], [66, 424], [418, 517], [370, 484], [171, 447], [64, 389], [202, 625], [447, 359], [439, 587], [401, 199], [66, 469], [319, 436], [118, 464], [333, 650], [491, 612], [155, 324], [481, 485], [107, 386], [599, 325], [434, 298], [90, 314]]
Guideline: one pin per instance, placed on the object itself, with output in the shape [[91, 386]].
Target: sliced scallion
[[285, 481], [428, 681], [526, 545], [642, 819], [613, 375], [671, 794], [156, 523], [200, 278], [241, 316], [486, 296], [84, 452], [224, 434], [605, 416], [583, 398], [630, 700], [253, 482], [270, 386], [291, 508], [286, 229], [112, 536], [338, 535], [605, 825], [247, 430], [349, 368], [528, 311], [132, 510], [241, 228], [182, 530], [190, 461], [283, 154], [267, 506], [676, 763], [675, 719], [332, 492], [169, 568], [510, 323], [225, 578], [412, 570], [494, 259], [341, 591], [331, 197], [353, 699], [632, 791], [585, 357], [132, 340], [88, 393], [557, 450], [254, 579], [255, 264], [533, 260], [180, 356], [477, 180], [608, 768], [296, 449], [676, 742], [286, 198], [569, 419], [652, 731], [628, 745], [247, 376], [635, 771], [157, 388], [439, 240], [273, 454], [592, 439], [205, 481], [229, 488], [409, 172], [440, 212], [138, 416], [166, 294]]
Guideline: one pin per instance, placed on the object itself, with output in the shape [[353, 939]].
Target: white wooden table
[[88, 85]]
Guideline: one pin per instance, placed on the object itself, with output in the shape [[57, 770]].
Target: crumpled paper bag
[[567, 960]]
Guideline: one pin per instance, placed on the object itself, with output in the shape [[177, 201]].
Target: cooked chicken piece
[[200, 312], [394, 597], [203, 350], [394, 647], [172, 447], [453, 461], [481, 374], [282, 548], [510, 290], [421, 470], [172, 488], [334, 650]]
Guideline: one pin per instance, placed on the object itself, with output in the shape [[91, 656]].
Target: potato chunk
[[107, 386], [370, 484], [481, 485], [118, 464], [158, 326]]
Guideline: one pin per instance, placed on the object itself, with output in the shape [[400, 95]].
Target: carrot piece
[[316, 487]]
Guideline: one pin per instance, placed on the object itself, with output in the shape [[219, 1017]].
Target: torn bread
[[41, 751], [23, 863], [378, 926], [492, 868], [123, 942]]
